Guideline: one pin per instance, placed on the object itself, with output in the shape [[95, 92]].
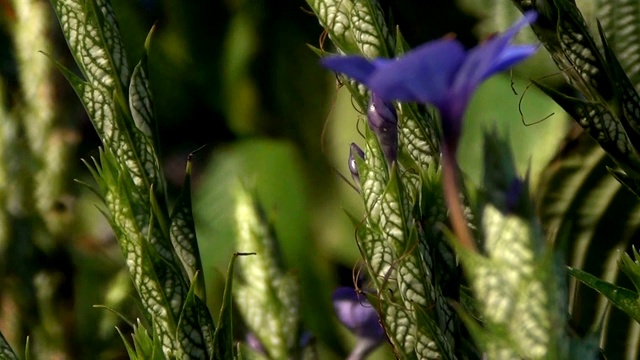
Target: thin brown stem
[[452, 197]]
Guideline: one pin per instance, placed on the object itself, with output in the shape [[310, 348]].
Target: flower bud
[[354, 151], [383, 120]]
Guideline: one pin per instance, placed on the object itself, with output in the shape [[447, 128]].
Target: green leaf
[[600, 122], [94, 39], [620, 20], [334, 16], [142, 342], [369, 29], [418, 136], [625, 93], [631, 268], [624, 299], [183, 233], [223, 337], [267, 297], [140, 98], [188, 331], [5, 349], [130, 351], [594, 217]]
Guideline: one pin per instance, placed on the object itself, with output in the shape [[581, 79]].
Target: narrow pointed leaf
[[578, 196], [183, 232], [223, 337], [631, 268], [130, 351], [621, 23], [624, 299], [189, 333]]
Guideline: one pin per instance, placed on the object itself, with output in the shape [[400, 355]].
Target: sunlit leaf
[[334, 16], [369, 29]]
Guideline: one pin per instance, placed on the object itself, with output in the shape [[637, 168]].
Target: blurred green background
[[237, 76]]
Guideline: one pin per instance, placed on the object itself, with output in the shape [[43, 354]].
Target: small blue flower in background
[[254, 343], [356, 313], [440, 72]]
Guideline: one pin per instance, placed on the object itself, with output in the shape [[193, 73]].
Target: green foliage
[[515, 280], [580, 201], [5, 350], [161, 251], [267, 297], [435, 299]]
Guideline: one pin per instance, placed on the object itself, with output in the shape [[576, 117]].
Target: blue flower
[[441, 72], [356, 313]]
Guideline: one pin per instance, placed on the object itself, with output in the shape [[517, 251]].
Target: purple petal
[[355, 67], [423, 74], [254, 343], [485, 60], [511, 56], [355, 312]]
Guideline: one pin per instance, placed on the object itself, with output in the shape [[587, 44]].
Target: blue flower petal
[[492, 56], [512, 55], [485, 60], [423, 74], [355, 67]]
